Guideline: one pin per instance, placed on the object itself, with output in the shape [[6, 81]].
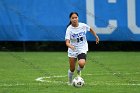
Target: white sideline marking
[[44, 79], [114, 84], [10, 85], [110, 83], [58, 82], [41, 79], [61, 82]]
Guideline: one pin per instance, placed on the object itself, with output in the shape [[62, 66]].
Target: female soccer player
[[77, 44]]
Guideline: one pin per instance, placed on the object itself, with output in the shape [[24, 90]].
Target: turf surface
[[105, 72]]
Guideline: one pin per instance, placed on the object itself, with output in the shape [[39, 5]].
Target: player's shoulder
[[82, 24], [68, 28]]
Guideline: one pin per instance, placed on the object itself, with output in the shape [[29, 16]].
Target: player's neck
[[75, 25]]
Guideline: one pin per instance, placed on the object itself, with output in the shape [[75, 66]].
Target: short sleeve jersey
[[77, 36]]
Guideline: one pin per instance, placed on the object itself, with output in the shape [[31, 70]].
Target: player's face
[[74, 20]]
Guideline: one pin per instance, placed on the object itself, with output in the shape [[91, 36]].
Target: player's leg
[[81, 62], [72, 62]]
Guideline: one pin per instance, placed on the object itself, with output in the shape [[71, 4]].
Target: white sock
[[70, 75], [79, 68]]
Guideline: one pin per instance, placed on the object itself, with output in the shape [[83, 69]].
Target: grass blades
[[105, 72]]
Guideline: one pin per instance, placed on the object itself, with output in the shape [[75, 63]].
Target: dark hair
[[71, 15]]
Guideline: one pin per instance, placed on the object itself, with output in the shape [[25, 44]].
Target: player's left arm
[[96, 36]]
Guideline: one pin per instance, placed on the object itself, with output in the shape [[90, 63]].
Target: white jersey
[[77, 37]]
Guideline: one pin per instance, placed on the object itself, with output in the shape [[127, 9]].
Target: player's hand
[[72, 47], [97, 40]]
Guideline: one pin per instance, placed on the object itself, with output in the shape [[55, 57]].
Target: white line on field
[[61, 82], [111, 83], [48, 79], [11, 85]]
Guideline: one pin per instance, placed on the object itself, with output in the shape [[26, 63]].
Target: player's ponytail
[[69, 24], [70, 17]]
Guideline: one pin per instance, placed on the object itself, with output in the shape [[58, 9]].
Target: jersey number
[[79, 39]]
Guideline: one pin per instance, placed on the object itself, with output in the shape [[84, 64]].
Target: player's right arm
[[69, 45], [67, 39]]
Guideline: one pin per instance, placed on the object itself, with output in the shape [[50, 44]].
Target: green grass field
[[105, 72]]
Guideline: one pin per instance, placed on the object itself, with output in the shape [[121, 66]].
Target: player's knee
[[82, 63]]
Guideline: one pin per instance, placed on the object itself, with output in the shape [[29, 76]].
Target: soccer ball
[[78, 81]]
